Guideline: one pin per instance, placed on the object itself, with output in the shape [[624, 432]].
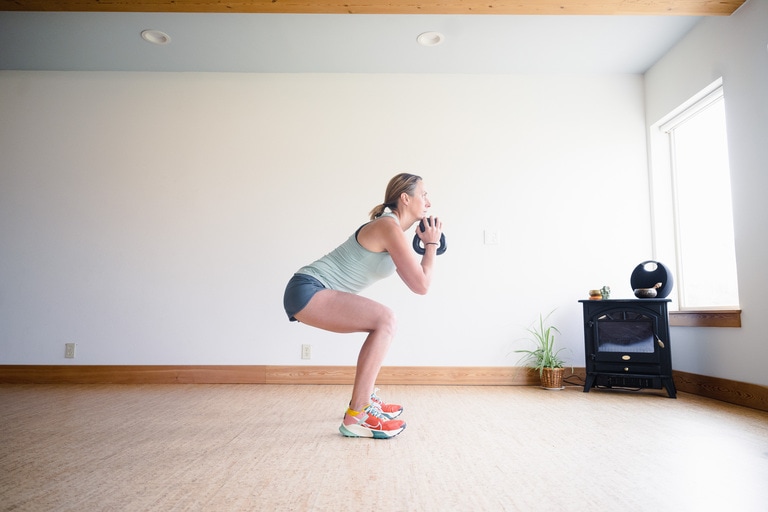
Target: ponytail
[[377, 211]]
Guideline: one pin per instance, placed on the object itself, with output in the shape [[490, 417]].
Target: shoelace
[[374, 410], [376, 398]]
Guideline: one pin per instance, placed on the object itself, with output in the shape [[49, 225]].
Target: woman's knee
[[387, 321]]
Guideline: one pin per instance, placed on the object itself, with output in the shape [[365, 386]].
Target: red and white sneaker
[[390, 411], [371, 423]]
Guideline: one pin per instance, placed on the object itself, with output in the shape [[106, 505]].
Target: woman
[[324, 294]]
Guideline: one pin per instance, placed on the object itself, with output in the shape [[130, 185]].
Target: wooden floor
[[473, 448]]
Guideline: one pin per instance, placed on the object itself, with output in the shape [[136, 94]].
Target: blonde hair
[[403, 182]]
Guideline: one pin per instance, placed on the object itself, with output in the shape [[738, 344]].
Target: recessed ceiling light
[[155, 37], [430, 38]]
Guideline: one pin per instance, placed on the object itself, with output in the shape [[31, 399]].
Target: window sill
[[722, 318]]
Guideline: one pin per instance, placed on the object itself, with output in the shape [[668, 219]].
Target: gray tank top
[[351, 267]]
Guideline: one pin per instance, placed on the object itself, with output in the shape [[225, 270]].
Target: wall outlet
[[69, 350], [306, 351]]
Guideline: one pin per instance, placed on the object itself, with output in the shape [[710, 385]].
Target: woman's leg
[[346, 313]]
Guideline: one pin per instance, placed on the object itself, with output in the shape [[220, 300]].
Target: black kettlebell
[[419, 248]]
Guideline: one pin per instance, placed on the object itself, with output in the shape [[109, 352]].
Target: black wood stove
[[626, 344]]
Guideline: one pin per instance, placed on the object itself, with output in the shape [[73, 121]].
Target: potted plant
[[544, 357]]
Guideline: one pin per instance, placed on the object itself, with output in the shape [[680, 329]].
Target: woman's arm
[[385, 234]]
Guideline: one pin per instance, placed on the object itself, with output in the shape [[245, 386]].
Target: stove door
[[626, 337]]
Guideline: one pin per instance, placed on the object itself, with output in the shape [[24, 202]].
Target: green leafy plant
[[544, 354]]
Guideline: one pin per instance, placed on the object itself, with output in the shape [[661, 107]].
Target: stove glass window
[[625, 332]]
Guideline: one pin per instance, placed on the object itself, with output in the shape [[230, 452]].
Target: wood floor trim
[[260, 374], [731, 391], [428, 375], [129, 374], [734, 392]]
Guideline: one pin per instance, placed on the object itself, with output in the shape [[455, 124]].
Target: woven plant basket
[[552, 378]]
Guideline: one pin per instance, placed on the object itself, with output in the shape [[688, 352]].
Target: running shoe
[[371, 423], [390, 411]]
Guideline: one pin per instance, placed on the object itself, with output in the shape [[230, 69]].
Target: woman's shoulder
[[386, 221], [377, 234]]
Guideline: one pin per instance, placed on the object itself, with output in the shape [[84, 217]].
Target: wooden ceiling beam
[[536, 7]]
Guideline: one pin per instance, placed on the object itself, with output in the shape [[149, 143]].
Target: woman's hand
[[433, 228]]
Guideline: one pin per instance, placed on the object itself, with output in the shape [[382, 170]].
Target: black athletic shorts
[[301, 288]]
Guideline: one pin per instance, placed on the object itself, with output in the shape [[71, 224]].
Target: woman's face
[[418, 202]]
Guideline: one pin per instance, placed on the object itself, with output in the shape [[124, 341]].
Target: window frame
[[662, 197]]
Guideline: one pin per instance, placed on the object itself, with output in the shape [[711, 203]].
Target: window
[[691, 197]]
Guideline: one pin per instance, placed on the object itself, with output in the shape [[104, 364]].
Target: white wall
[[155, 218], [735, 48]]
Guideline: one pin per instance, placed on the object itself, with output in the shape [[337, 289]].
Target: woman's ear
[[405, 198]]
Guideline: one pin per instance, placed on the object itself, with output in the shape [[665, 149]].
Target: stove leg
[[589, 382], [670, 386]]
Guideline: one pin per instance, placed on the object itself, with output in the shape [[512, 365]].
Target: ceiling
[[267, 36]]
